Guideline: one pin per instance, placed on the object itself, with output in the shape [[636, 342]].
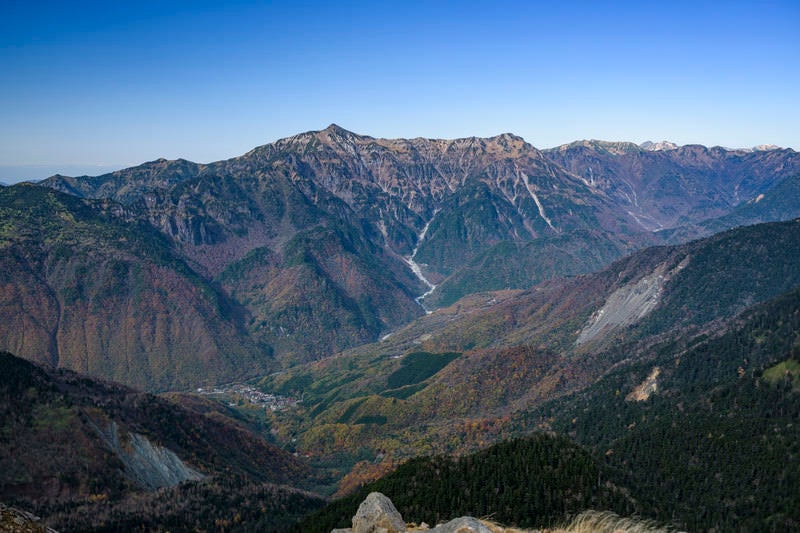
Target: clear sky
[[94, 85]]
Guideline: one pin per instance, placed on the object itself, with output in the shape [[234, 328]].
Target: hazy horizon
[[93, 84], [12, 174]]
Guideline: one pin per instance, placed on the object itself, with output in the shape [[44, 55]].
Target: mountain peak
[[335, 129], [765, 148], [509, 135], [336, 134], [650, 146]]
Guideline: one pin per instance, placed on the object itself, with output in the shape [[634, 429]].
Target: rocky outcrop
[[15, 521], [465, 524], [377, 514]]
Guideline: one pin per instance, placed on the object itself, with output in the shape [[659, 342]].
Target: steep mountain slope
[[702, 435], [502, 353], [328, 290], [780, 202], [84, 288], [471, 193], [674, 187], [293, 263], [83, 454], [397, 185], [647, 293], [706, 430], [701, 432], [327, 239], [522, 264]]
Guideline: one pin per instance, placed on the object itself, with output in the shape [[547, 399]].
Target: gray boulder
[[377, 514], [465, 524]]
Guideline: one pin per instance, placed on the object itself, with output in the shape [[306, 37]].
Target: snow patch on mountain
[[650, 146]]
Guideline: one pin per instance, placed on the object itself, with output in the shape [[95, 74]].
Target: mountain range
[[674, 370], [305, 247], [402, 297]]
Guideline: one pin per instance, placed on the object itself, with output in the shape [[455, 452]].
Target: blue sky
[[96, 85]]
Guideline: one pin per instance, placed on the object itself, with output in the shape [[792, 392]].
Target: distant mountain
[[87, 455], [312, 234], [128, 184], [765, 147], [657, 147], [669, 188], [393, 185], [325, 240], [780, 202]]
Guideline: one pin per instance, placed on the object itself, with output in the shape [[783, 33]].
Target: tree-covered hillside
[[531, 482], [714, 443]]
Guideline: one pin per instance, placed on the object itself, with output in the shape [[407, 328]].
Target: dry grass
[[606, 522], [591, 522]]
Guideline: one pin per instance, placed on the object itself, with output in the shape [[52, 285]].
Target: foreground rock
[[377, 514], [15, 521]]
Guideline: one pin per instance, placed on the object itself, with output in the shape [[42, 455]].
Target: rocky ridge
[[668, 186], [377, 514]]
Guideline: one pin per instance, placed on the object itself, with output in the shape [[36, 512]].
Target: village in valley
[[238, 394]]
